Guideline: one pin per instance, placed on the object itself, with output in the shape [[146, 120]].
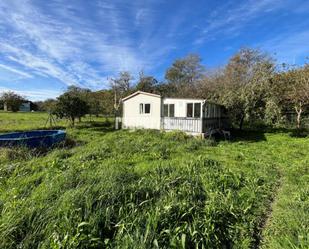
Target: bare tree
[[120, 86]]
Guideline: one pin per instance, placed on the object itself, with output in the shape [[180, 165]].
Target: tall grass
[[108, 195], [149, 189]]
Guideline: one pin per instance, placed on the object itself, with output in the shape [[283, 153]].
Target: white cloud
[[288, 48], [34, 95], [16, 71], [41, 65], [76, 50], [229, 18]]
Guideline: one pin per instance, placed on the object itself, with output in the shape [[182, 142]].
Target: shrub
[[177, 136]]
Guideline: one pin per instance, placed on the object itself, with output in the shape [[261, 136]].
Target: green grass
[[146, 189]]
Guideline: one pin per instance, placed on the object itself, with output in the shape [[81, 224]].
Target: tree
[[165, 89], [245, 85], [292, 89], [298, 92], [184, 74], [71, 107], [88, 96], [83, 93], [47, 105], [211, 86], [106, 101], [120, 87], [94, 106], [146, 83], [12, 100]]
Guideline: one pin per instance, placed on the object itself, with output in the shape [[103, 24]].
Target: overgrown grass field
[[150, 189]]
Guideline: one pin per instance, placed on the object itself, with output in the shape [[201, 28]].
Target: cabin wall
[[132, 118], [180, 105], [212, 115], [180, 121]]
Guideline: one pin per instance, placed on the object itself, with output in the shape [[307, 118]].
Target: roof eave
[[141, 92]]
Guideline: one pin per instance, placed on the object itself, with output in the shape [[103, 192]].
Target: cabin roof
[[185, 98], [159, 96], [141, 92]]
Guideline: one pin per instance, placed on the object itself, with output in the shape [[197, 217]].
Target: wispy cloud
[[34, 95], [16, 71], [229, 18], [288, 48], [41, 43], [75, 50], [86, 42]]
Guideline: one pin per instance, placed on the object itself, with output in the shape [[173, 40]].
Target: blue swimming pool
[[33, 139]]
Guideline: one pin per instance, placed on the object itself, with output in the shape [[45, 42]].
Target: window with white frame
[[169, 110], [144, 108], [197, 110], [193, 110]]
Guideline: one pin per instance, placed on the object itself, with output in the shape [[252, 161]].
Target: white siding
[[181, 105], [181, 121], [131, 112], [132, 118]]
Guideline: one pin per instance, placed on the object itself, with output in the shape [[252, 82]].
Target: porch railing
[[194, 125], [183, 124]]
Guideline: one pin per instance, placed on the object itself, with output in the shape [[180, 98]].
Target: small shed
[[25, 107]]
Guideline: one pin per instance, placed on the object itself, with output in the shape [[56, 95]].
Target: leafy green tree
[[47, 105], [89, 97], [106, 101], [12, 100], [291, 90], [83, 93], [94, 106], [245, 83], [165, 89], [298, 92], [71, 107], [184, 74], [146, 83]]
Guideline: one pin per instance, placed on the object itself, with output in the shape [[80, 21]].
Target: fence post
[[117, 120]]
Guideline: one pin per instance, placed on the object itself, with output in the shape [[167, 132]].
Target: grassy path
[[288, 224]]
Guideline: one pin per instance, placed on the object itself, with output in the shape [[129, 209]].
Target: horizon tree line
[[253, 88]]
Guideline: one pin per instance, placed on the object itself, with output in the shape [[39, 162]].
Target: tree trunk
[[241, 122], [299, 111]]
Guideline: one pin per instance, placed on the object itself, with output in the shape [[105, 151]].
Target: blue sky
[[46, 46]]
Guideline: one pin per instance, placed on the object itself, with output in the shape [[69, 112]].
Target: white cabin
[[151, 111]]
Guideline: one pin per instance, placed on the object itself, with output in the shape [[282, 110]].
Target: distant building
[[24, 107]]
